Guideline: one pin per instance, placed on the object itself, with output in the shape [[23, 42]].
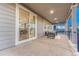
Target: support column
[[74, 25], [66, 26]]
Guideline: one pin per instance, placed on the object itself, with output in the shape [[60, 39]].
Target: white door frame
[[17, 25]]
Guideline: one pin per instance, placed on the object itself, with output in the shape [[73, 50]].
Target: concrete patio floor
[[42, 47]]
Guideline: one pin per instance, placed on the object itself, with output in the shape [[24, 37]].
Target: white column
[[74, 32], [66, 26]]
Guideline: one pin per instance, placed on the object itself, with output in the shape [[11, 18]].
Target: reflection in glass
[[23, 24], [32, 26]]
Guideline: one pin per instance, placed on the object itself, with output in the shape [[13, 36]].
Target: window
[[23, 24], [32, 26]]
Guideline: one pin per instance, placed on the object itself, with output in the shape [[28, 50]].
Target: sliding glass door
[[23, 24], [26, 25], [32, 24]]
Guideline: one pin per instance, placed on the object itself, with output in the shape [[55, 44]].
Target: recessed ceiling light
[[51, 11], [55, 18]]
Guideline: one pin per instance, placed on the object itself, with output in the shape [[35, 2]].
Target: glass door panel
[[23, 24], [32, 26]]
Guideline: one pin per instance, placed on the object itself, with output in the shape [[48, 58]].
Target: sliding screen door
[[23, 24]]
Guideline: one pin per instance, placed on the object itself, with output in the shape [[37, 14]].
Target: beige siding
[[7, 25]]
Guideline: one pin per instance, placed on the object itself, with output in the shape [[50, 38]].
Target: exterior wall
[[7, 25], [47, 26], [40, 26]]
